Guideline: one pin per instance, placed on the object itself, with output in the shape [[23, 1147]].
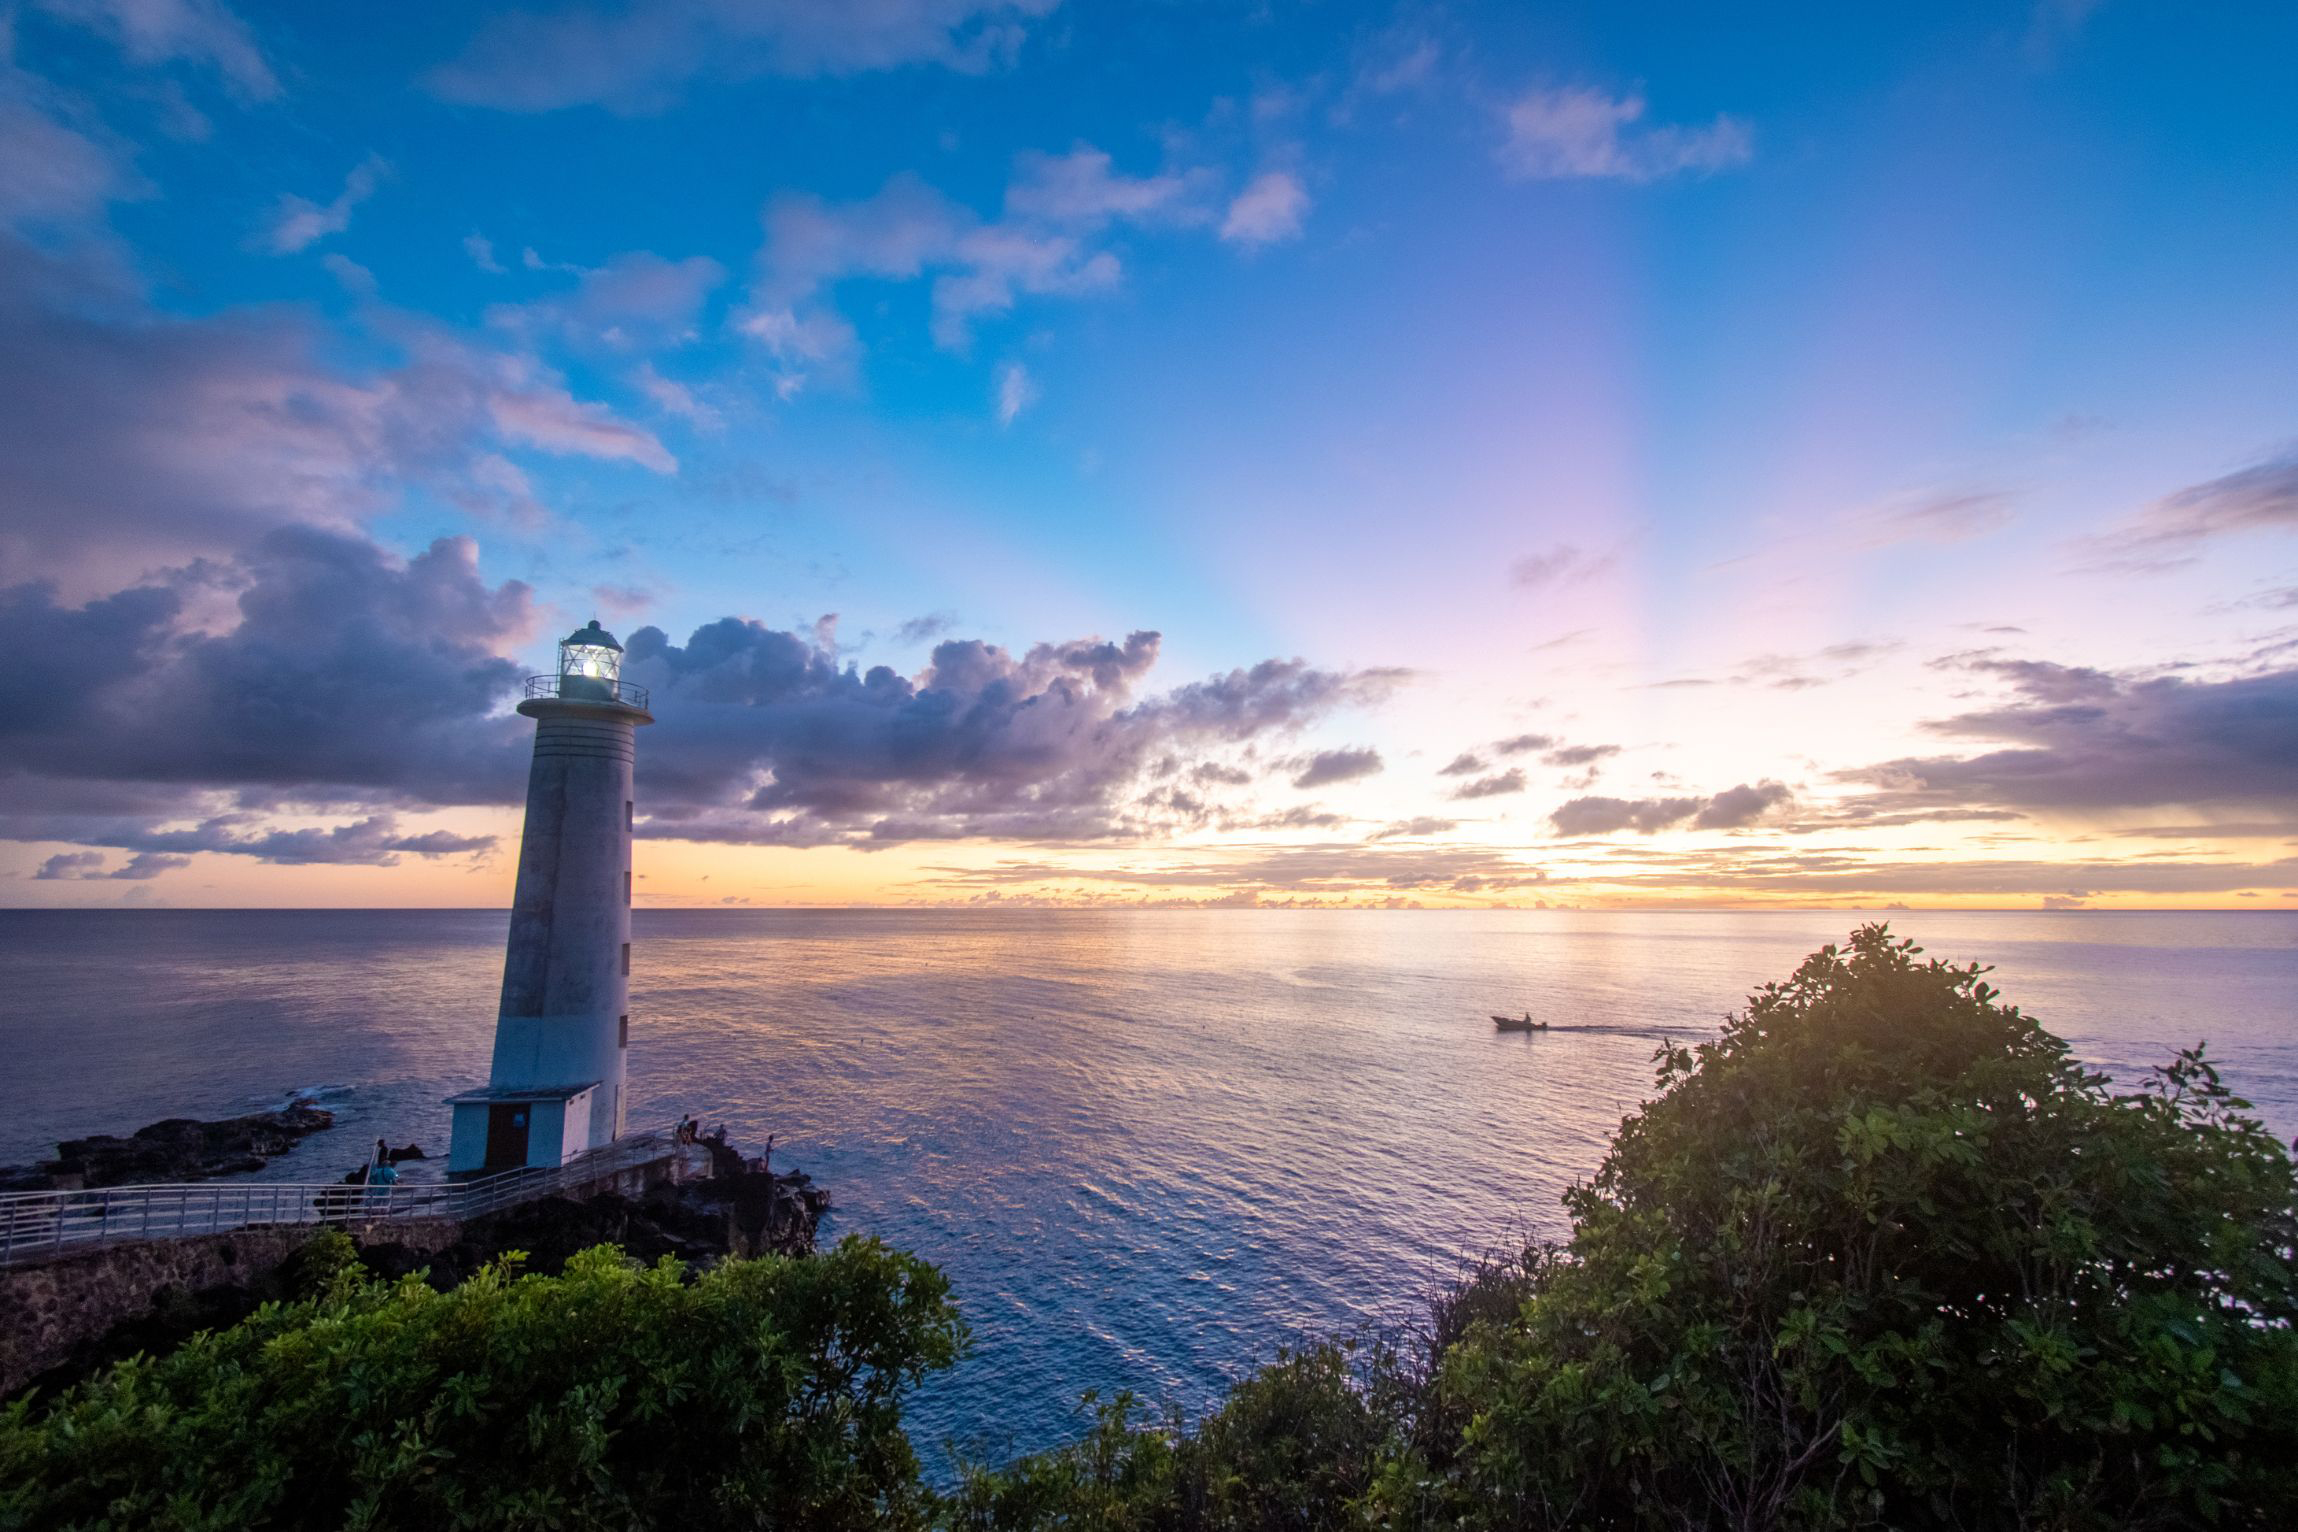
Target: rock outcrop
[[697, 1221], [179, 1149]]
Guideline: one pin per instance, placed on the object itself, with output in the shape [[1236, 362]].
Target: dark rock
[[410, 1152], [179, 1149]]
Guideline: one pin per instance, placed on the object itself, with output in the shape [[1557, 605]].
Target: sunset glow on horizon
[[1040, 454]]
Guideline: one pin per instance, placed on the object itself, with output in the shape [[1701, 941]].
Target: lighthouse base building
[[555, 1087]]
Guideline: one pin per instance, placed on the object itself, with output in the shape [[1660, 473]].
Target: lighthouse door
[[507, 1134]]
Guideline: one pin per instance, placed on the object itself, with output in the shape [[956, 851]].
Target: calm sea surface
[[1147, 1146]]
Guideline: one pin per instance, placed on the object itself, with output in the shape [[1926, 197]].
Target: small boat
[[1523, 1023]]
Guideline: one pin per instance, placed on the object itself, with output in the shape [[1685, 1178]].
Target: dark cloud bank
[[1732, 809], [2080, 742], [345, 681]]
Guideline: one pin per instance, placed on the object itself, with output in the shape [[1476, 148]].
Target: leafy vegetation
[[765, 1393], [1882, 1255]]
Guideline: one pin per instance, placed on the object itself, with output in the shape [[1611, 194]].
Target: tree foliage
[[1290, 1449], [765, 1393], [1883, 1254]]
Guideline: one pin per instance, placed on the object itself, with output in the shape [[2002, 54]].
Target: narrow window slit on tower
[[623, 1040], [626, 960], [627, 812], [626, 885]]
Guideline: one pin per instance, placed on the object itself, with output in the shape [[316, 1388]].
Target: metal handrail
[[39, 1224], [587, 689]]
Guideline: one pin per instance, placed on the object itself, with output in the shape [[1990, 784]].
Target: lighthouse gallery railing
[[588, 689], [38, 1225]]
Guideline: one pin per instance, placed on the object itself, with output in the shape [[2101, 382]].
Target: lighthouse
[[555, 1088]]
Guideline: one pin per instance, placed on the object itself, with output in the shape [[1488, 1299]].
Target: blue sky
[[1882, 416]]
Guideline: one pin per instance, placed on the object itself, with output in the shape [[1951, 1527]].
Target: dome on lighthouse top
[[591, 637]]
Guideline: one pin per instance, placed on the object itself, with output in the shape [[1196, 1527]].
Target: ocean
[[1149, 1147]]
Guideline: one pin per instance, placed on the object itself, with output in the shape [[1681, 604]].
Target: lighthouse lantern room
[[556, 1084]]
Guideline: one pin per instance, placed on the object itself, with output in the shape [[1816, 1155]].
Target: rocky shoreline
[[177, 1149]]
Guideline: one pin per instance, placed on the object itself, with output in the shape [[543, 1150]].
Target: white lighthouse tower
[[556, 1085]]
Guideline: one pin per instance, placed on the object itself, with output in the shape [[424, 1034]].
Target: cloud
[[2262, 497], [1559, 568], [1469, 762], [1399, 60], [356, 279], [1737, 807], [801, 342], [1330, 766], [132, 439], [152, 32], [1943, 516], [1271, 208], [481, 250], [1822, 667], [1016, 391], [1370, 868], [297, 223], [636, 300], [2080, 742], [348, 674], [638, 56], [1844, 876], [764, 738], [136, 439], [675, 398], [1494, 786], [1581, 133], [906, 231], [1732, 809], [1423, 825], [918, 629], [1083, 188], [1049, 241], [375, 841], [52, 175], [88, 865], [1607, 816], [543, 414]]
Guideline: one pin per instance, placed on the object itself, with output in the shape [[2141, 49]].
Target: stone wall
[[51, 1311], [71, 1313]]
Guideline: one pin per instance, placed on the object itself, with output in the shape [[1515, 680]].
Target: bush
[[765, 1393], [1883, 1255], [1291, 1449]]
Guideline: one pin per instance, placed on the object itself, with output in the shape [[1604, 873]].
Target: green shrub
[[1291, 1449], [765, 1393], [1883, 1255]]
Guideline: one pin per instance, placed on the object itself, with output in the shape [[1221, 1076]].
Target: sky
[[1174, 453]]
